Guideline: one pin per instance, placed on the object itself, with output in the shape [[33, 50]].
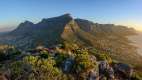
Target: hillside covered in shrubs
[[60, 63]]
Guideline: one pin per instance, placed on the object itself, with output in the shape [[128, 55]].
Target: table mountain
[[52, 31]]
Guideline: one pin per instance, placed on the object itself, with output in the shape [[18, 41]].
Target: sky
[[121, 12]]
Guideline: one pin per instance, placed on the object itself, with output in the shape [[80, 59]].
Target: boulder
[[103, 66], [110, 72], [67, 65], [123, 70], [93, 75]]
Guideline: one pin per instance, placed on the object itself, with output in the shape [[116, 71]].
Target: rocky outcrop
[[123, 70], [68, 65]]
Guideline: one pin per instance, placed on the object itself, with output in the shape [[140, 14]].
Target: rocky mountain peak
[[23, 28], [63, 18], [66, 15], [26, 23]]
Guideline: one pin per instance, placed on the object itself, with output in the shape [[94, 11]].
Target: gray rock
[[123, 70], [67, 65], [103, 66], [110, 73], [93, 75]]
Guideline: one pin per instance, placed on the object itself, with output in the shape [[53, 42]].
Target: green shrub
[[60, 58], [104, 56], [137, 76], [42, 69], [44, 55], [3, 57], [13, 54], [17, 70], [83, 62]]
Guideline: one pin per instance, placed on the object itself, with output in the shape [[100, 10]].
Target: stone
[[123, 70], [110, 73], [93, 75], [67, 65], [103, 65]]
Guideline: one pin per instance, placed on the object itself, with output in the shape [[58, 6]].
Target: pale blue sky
[[125, 12]]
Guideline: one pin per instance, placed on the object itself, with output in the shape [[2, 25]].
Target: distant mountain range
[[66, 30], [54, 30]]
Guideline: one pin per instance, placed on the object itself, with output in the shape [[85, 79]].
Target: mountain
[[53, 30], [47, 32], [66, 30]]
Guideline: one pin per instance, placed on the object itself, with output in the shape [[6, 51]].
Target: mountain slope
[[111, 38], [47, 32]]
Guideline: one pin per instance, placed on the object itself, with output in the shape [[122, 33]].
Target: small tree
[[83, 64], [42, 69]]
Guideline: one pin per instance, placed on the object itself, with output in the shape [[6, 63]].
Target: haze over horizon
[[127, 12]]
